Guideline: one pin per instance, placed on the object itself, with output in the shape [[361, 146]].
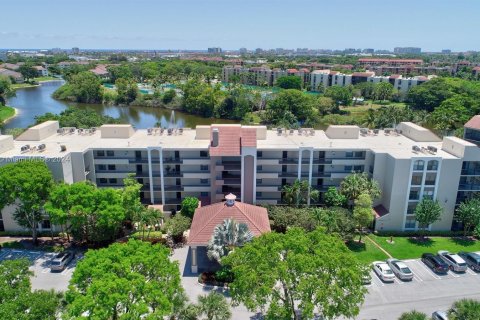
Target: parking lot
[[427, 292], [40, 265]]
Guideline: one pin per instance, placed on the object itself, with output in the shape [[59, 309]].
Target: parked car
[[61, 261], [400, 269], [472, 259], [435, 263], [383, 271], [439, 315], [454, 261]]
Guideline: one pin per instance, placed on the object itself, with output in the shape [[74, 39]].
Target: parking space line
[[415, 277], [473, 273], [396, 280], [377, 280], [453, 274], [430, 272]]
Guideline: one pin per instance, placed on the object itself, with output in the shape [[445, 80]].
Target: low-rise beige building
[[409, 162]]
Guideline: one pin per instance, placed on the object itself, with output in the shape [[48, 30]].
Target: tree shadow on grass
[[356, 246], [421, 241], [463, 241]]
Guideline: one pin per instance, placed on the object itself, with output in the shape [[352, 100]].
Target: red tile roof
[[390, 60], [380, 211], [292, 70], [473, 123], [208, 217], [231, 139]]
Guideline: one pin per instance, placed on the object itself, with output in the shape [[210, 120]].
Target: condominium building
[[209, 162]]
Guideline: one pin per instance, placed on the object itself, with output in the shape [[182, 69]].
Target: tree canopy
[[6, 90], [427, 212], [468, 212], [189, 205], [289, 82], [78, 118], [125, 281], [353, 185], [82, 87], [297, 270], [27, 185]]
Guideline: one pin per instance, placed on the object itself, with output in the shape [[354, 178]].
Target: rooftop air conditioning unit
[[432, 149], [416, 149]]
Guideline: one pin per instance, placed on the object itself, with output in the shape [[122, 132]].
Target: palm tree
[[298, 193], [146, 219], [214, 306], [357, 183], [413, 315], [226, 237], [465, 309]]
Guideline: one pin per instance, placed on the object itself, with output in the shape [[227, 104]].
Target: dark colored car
[[435, 263], [472, 259]]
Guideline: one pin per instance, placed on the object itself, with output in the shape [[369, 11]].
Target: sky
[[231, 24]]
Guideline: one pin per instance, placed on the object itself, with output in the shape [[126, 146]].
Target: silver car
[[454, 261], [61, 261], [400, 269], [439, 315], [383, 271]]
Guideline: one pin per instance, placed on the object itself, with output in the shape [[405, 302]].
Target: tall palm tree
[[299, 193], [226, 237], [214, 306], [357, 183]]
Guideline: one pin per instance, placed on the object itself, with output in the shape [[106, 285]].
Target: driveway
[[40, 265]]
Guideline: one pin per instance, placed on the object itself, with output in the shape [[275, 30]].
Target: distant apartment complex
[[317, 80], [215, 50], [327, 78], [408, 161], [407, 50]]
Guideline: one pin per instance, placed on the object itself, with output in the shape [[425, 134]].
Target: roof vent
[[230, 199], [215, 137]]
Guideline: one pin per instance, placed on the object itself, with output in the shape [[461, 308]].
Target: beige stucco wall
[[417, 133], [6, 143], [342, 132], [120, 131], [40, 131]]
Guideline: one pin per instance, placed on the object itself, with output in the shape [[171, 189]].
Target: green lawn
[[45, 79], [23, 85], [366, 252], [6, 112], [407, 248]]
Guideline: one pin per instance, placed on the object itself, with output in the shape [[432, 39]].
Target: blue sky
[[231, 24]]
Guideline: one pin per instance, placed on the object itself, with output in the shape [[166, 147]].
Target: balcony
[[471, 172], [289, 161], [469, 187], [172, 160]]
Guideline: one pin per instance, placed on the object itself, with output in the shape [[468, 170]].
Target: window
[[110, 153], [103, 180], [411, 207], [348, 168], [203, 194], [417, 179], [428, 193], [259, 168], [357, 168], [102, 167], [432, 165], [101, 153], [430, 178], [410, 223], [418, 165], [259, 181], [203, 154], [46, 224], [258, 194], [111, 167], [359, 154], [204, 167], [112, 180], [259, 154], [414, 195], [203, 181], [349, 154]]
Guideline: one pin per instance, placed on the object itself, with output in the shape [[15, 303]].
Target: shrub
[[189, 204]]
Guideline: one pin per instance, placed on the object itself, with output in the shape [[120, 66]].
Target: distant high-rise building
[[75, 50], [259, 51], [215, 50], [446, 51], [243, 50], [408, 50], [368, 50], [302, 50], [56, 51]]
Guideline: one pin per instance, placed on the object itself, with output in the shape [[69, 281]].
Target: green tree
[[299, 193], [189, 205], [431, 94], [341, 95], [469, 213], [26, 184], [127, 90], [16, 296], [291, 107], [335, 220], [82, 87], [6, 90], [130, 280], [285, 217], [362, 213], [78, 118], [326, 105], [465, 309], [214, 306], [122, 71], [169, 96], [27, 71], [131, 197], [146, 219], [366, 89], [413, 315], [454, 112], [289, 82], [355, 184], [177, 225], [383, 91], [93, 215], [309, 271], [227, 236], [427, 212], [333, 198]]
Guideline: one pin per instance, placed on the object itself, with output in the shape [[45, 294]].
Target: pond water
[[31, 102]]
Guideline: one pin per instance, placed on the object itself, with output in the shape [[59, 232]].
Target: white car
[[400, 269], [454, 261], [383, 271]]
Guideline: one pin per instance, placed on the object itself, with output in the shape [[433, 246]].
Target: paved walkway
[[379, 247], [193, 289]]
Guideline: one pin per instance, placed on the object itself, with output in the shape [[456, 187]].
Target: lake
[[31, 102]]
